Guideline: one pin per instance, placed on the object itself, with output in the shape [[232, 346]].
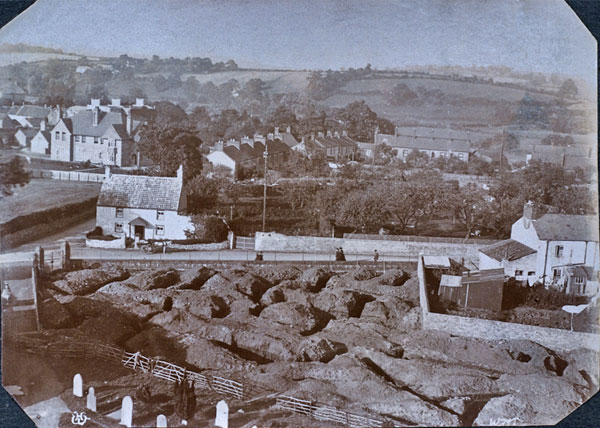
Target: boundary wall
[[271, 241], [553, 338]]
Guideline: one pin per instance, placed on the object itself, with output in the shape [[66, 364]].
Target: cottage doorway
[[139, 231]]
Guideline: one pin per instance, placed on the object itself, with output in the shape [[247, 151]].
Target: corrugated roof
[[138, 191], [561, 227], [423, 143], [508, 249], [451, 281], [483, 276]]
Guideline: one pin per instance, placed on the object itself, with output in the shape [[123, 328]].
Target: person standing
[[375, 256]]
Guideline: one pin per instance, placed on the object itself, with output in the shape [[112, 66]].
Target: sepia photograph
[[269, 214]]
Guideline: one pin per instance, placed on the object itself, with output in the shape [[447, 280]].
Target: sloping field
[[43, 194]]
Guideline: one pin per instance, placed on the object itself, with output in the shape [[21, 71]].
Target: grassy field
[[42, 194]]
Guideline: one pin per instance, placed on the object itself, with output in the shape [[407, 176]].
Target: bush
[[208, 229], [541, 298], [97, 231], [102, 237]]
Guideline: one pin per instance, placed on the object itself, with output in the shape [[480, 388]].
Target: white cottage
[[143, 206], [546, 244]]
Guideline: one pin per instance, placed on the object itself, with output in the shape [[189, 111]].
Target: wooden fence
[[174, 373], [326, 413]]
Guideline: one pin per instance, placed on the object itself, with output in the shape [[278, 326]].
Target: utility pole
[[265, 157]]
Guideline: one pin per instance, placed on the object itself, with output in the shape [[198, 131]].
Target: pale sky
[[528, 35]]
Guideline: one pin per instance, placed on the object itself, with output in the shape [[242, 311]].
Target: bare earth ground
[[39, 195], [352, 341]]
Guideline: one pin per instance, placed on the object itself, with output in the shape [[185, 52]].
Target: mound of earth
[[81, 282]]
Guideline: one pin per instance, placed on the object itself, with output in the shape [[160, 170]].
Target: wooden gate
[[244, 243]]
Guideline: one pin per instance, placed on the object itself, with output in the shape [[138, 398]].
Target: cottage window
[[118, 227], [559, 251], [518, 272], [461, 155], [119, 212], [57, 135], [530, 273], [579, 280], [160, 215], [556, 273], [404, 152], [160, 230], [95, 140], [104, 140], [77, 138], [64, 136]]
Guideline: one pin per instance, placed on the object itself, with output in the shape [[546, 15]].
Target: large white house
[[143, 206], [546, 247]]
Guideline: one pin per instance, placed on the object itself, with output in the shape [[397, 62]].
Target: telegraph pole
[[266, 157]]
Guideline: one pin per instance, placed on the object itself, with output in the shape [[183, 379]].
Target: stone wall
[[271, 241], [553, 338], [101, 243]]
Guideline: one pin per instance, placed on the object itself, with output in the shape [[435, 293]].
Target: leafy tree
[[470, 207], [208, 228], [169, 113], [568, 89], [384, 154], [402, 94], [359, 120], [170, 146], [12, 174], [361, 210], [301, 194], [202, 193]]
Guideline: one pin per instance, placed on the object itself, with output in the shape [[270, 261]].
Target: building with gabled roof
[[30, 116], [569, 157], [434, 143], [143, 206], [542, 244], [101, 137]]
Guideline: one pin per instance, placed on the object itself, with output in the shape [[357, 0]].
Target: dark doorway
[[139, 232]]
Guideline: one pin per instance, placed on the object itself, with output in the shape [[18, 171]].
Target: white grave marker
[[222, 419], [91, 399], [127, 411], [77, 385], [161, 421]]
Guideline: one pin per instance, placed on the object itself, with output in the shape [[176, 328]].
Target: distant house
[[8, 129], [434, 143], [286, 137], [249, 152], [567, 157], [25, 135], [41, 141], [143, 207], [336, 146], [30, 116], [101, 136], [559, 241], [10, 92]]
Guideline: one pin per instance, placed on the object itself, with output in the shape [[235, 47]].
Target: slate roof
[[423, 143], [6, 122], [139, 191], [328, 141], [83, 123], [45, 134], [580, 271], [437, 133], [287, 138], [33, 111], [29, 132], [561, 227], [508, 249]]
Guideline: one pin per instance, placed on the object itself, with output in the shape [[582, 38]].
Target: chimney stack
[[96, 113], [106, 172], [218, 146], [531, 211], [129, 124], [320, 134], [139, 102], [43, 125], [328, 133], [395, 131], [180, 173], [288, 129], [344, 133], [336, 134], [276, 132], [116, 102]]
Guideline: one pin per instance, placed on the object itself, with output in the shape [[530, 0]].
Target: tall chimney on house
[[129, 124], [116, 102], [288, 129], [531, 211], [276, 131], [180, 173], [96, 113], [329, 133], [106, 172], [43, 125], [395, 131], [320, 134]]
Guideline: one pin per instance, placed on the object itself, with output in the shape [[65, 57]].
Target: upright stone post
[[65, 252], [161, 421], [40, 254], [127, 411], [77, 385], [231, 240], [91, 399], [222, 419]]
